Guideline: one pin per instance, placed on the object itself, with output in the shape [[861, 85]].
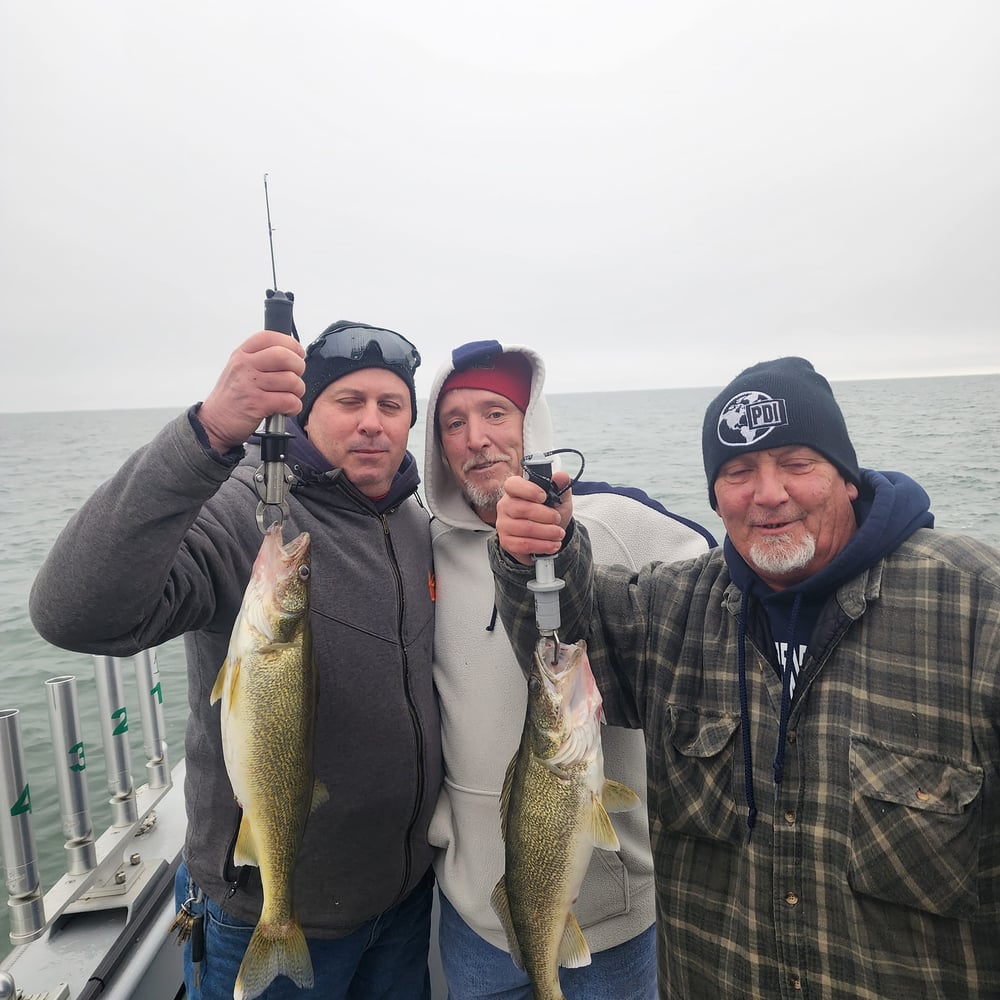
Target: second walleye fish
[[554, 811], [269, 689]]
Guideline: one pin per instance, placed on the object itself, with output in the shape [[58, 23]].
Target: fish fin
[[501, 907], [574, 952], [245, 849], [508, 781], [320, 796], [617, 797], [273, 950], [220, 681], [603, 832]]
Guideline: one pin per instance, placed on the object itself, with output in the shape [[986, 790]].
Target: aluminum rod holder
[[114, 732], [71, 778], [17, 839], [147, 678]]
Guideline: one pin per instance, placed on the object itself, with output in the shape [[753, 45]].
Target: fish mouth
[[276, 551], [553, 671], [293, 550], [561, 678], [297, 544]]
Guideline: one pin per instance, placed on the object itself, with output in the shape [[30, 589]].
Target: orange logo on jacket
[[431, 586]]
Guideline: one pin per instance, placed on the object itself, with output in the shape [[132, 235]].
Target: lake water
[[942, 431]]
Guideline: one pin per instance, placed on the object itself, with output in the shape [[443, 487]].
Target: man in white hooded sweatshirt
[[486, 411]]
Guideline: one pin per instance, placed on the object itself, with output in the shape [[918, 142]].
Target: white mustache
[[487, 458]]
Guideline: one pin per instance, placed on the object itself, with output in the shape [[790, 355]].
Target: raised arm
[[137, 564]]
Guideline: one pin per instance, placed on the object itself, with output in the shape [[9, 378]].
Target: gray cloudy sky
[[654, 194]]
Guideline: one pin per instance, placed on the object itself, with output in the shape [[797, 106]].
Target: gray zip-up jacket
[[165, 548]]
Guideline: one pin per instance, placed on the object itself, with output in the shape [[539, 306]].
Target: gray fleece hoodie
[[483, 695]]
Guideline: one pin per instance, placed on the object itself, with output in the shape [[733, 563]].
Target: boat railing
[[108, 872]]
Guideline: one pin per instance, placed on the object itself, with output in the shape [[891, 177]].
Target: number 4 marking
[[23, 803]]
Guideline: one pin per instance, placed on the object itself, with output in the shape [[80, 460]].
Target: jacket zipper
[[417, 732]]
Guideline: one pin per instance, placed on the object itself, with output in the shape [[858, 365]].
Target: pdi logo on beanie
[[749, 417]]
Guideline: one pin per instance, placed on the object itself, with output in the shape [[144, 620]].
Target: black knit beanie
[[772, 404], [323, 367]]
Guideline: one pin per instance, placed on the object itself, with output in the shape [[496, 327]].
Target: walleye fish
[[269, 688], [553, 812]]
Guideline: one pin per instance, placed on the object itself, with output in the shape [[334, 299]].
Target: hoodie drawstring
[[745, 715]]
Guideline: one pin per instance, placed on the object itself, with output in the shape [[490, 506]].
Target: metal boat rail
[[102, 928]]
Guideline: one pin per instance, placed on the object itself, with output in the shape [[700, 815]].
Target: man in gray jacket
[[486, 409], [165, 548]]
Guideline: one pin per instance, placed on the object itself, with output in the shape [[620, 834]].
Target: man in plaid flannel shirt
[[821, 706]]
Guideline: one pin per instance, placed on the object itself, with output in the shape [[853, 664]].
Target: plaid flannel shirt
[[873, 871]]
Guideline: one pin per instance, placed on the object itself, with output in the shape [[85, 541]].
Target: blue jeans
[[475, 969], [385, 958]]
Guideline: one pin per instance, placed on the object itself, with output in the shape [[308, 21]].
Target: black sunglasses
[[355, 342]]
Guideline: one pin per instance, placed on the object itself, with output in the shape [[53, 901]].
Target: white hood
[[444, 495], [482, 691]]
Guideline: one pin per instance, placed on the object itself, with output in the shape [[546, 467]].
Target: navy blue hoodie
[[889, 508]]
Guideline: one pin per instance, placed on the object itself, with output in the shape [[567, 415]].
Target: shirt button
[[789, 817], [922, 795], [791, 898], [796, 983], [791, 735]]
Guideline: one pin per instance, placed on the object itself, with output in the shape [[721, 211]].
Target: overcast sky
[[652, 194]]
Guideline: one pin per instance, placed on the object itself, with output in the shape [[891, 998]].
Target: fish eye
[[304, 572], [534, 684]]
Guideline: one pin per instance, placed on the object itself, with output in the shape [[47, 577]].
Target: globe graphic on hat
[[736, 426]]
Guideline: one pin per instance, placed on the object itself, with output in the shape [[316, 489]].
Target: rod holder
[[71, 779], [147, 678], [17, 839], [114, 733]]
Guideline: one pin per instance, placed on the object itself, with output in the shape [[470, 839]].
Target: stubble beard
[[781, 555], [482, 499]]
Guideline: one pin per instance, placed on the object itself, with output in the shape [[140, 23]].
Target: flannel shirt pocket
[[699, 799], [915, 828]]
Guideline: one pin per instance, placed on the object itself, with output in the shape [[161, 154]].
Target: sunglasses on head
[[355, 343]]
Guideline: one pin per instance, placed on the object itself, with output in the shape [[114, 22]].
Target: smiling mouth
[[484, 466], [773, 525]]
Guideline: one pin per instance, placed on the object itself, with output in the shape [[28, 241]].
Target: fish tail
[[274, 949]]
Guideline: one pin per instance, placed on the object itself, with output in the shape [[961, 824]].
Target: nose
[[370, 419], [769, 486], [479, 433]]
